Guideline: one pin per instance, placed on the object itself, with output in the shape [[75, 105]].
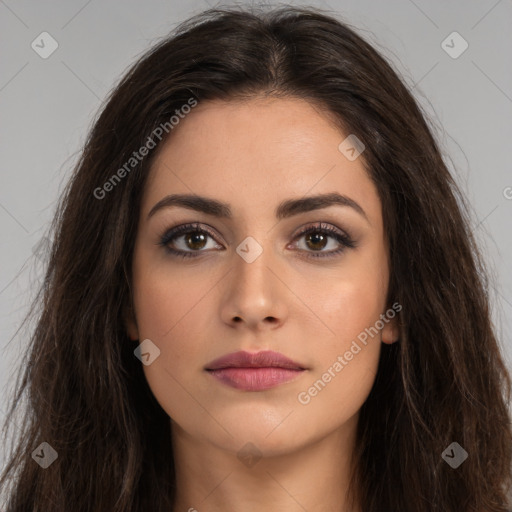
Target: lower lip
[[255, 379]]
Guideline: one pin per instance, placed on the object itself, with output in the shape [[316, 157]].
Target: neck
[[314, 477]]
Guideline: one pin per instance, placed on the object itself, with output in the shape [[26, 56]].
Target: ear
[[391, 330], [130, 322]]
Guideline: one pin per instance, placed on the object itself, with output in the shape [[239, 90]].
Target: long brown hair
[[444, 381]]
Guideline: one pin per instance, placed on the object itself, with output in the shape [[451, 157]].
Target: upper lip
[[263, 359]]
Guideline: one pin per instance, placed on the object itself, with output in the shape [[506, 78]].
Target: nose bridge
[[254, 291], [250, 265]]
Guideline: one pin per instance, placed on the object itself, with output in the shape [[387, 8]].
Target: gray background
[[48, 105]]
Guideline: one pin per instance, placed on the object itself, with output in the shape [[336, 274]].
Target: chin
[[270, 437]]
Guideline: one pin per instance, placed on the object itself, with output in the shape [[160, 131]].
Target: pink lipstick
[[254, 372]]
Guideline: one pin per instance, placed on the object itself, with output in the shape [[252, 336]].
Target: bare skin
[[253, 156]]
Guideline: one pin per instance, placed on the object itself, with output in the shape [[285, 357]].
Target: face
[[240, 274]]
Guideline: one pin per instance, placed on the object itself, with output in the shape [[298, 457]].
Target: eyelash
[[344, 240]]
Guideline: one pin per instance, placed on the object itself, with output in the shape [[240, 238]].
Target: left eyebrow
[[286, 209]]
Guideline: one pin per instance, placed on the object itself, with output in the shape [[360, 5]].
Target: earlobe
[[130, 324], [391, 331]]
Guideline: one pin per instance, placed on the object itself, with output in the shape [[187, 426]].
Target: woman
[[263, 293]]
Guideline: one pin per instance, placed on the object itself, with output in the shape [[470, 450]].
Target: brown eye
[[319, 237], [196, 240], [188, 240], [316, 241]]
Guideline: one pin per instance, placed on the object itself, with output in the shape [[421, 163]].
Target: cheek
[[350, 300], [164, 296], [162, 304], [351, 313], [171, 313], [349, 305], [346, 358]]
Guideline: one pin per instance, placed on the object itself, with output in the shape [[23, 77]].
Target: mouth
[[254, 372], [255, 379]]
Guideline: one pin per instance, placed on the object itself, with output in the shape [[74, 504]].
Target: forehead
[[253, 154]]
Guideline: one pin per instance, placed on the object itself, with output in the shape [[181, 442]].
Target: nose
[[254, 295]]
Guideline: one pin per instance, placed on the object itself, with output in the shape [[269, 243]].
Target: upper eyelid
[[209, 230]]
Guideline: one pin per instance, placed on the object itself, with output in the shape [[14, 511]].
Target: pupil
[[197, 238], [316, 238]]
